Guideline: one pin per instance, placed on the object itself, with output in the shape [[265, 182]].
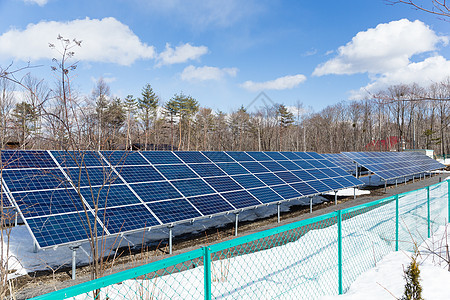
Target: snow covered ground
[[386, 281]]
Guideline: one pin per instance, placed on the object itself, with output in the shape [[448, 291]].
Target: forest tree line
[[418, 117]]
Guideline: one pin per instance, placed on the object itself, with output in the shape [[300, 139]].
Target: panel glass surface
[[173, 210], [12, 159], [161, 157], [207, 170], [108, 196], [192, 187], [139, 174], [232, 168], [122, 219], [93, 176], [78, 159], [62, 229], [124, 158], [155, 191], [217, 156], [192, 157], [223, 184], [172, 172], [265, 195], [34, 179], [240, 156], [391, 165], [248, 181], [241, 199], [211, 204]]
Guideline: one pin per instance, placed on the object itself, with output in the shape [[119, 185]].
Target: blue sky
[[224, 53]]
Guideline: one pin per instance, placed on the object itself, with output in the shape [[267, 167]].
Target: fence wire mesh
[[304, 260]]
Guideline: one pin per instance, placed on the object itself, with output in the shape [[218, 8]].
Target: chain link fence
[[303, 260]]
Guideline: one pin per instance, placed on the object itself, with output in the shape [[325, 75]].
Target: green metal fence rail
[[303, 260]]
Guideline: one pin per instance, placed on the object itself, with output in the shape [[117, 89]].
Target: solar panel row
[[391, 165], [129, 191], [341, 161]]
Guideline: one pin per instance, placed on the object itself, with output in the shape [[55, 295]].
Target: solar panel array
[[341, 161], [136, 190], [391, 165]]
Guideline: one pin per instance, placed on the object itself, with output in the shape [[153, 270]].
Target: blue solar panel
[[304, 175], [155, 191], [192, 157], [390, 165], [269, 179], [289, 165], [34, 179], [318, 174], [108, 196], [92, 176], [12, 159], [254, 167], [248, 181], [289, 155], [333, 184], [273, 166], [192, 187], [239, 156], [288, 177], [304, 189], [211, 204], [275, 156], [303, 164], [232, 168], [319, 186], [172, 172], [286, 191], [124, 158], [78, 159], [4, 200], [265, 195], [49, 202], [161, 157], [62, 229], [241, 199], [259, 156], [122, 219], [223, 184], [217, 156], [304, 155], [207, 170], [169, 189], [139, 174], [174, 210]]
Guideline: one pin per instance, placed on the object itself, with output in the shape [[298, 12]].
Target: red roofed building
[[383, 145]]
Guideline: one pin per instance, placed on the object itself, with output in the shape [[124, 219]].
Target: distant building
[[388, 144]]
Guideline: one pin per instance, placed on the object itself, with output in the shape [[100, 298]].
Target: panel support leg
[[35, 247], [74, 261], [370, 176], [278, 212], [413, 177], [15, 218], [170, 238], [385, 186], [310, 205], [236, 224], [405, 180], [354, 193], [335, 197], [395, 182]]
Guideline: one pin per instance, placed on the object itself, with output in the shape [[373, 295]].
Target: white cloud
[[105, 40], [432, 69], [38, 2], [385, 48], [192, 73], [180, 54], [282, 83]]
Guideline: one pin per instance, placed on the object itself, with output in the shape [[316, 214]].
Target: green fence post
[[207, 272], [339, 223], [428, 212], [396, 222]]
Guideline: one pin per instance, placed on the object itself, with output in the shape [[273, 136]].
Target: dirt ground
[[43, 282]]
